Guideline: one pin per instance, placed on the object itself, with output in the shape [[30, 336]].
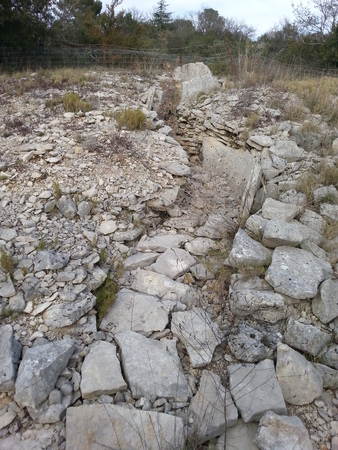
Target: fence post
[[181, 59], [132, 64]]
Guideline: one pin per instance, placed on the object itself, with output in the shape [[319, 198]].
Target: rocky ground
[[212, 327]]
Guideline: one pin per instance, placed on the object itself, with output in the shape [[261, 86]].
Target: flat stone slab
[[115, 427], [101, 371], [137, 312], [282, 432], [140, 260], [200, 246], [66, 314], [39, 369], [240, 436], [174, 262], [288, 150], [152, 367], [256, 390], [260, 141], [307, 338], [108, 227], [10, 350], [153, 283], [7, 234], [212, 408], [276, 210], [199, 334], [160, 243], [301, 383], [246, 252], [295, 272]]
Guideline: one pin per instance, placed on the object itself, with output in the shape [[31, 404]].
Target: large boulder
[[195, 79]]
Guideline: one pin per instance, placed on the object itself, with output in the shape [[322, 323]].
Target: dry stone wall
[[215, 326]]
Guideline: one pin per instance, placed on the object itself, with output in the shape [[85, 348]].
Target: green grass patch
[[73, 103]]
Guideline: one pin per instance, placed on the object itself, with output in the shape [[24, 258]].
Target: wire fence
[[229, 61]]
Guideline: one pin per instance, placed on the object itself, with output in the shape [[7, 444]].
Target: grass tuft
[[131, 119], [105, 296], [7, 262], [72, 103]]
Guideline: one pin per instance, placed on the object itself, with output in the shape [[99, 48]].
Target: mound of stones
[[177, 359]]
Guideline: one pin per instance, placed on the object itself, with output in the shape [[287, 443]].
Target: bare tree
[[319, 18]]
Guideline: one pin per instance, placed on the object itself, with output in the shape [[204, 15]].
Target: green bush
[[131, 119]]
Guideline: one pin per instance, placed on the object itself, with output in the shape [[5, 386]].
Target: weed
[[309, 137], [7, 262], [72, 102], [252, 121], [41, 245], [57, 190], [103, 254], [329, 198], [52, 103], [105, 296], [3, 178], [294, 112], [131, 119], [25, 271]]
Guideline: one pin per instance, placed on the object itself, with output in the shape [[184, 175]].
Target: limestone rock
[[173, 263], [199, 334], [277, 233], [140, 260], [212, 408], [247, 345], [281, 432], [288, 150], [294, 272], [246, 252], [108, 227], [152, 367], [240, 436], [276, 210], [313, 220], [153, 283], [8, 289], [67, 207], [101, 371], [112, 426], [161, 243], [50, 260], [66, 314], [329, 375], [10, 350], [140, 313], [325, 304], [301, 383], [306, 337], [200, 246], [39, 370], [256, 390]]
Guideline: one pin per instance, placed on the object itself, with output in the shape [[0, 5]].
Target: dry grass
[[73, 103], [131, 119], [318, 94]]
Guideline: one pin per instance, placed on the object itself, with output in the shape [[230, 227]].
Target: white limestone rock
[[199, 334], [101, 371], [152, 367], [301, 383], [118, 427], [277, 432], [256, 390], [325, 304], [306, 337], [212, 408], [173, 263]]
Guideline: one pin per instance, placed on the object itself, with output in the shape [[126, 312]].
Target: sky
[[259, 14]]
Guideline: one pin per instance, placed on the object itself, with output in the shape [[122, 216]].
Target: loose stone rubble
[[217, 334]]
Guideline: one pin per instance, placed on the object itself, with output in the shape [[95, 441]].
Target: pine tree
[[161, 17]]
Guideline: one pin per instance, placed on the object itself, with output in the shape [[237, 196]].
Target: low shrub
[[131, 119]]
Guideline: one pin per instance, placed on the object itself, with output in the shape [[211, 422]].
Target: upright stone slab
[[101, 371], [124, 428], [199, 334], [141, 313], [256, 390], [152, 367], [282, 432], [195, 78], [39, 370], [295, 272], [212, 408], [233, 164], [10, 350], [301, 383]]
